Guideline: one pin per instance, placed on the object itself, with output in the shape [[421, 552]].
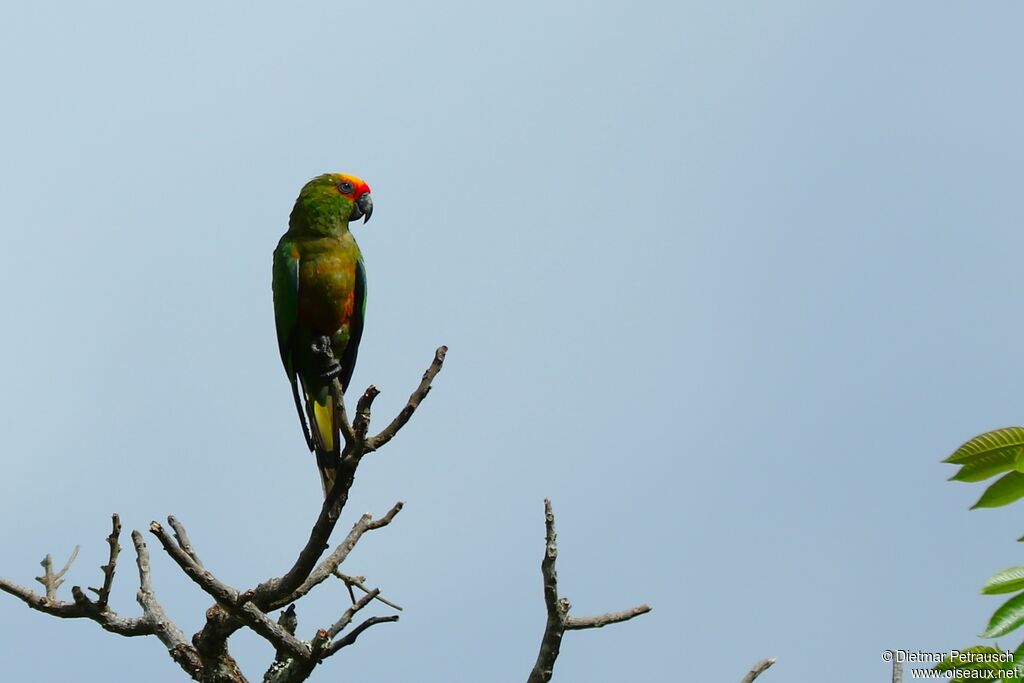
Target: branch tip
[[758, 669], [558, 619]]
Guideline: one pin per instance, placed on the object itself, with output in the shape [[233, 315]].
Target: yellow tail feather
[[324, 418], [324, 438]]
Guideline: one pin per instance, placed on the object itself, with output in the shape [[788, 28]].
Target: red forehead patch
[[359, 185]]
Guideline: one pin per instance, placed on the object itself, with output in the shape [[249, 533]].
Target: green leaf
[[989, 464], [1009, 580], [1008, 438], [1018, 656], [1004, 491], [1008, 617]]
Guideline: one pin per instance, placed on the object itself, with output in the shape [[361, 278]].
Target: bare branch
[[220, 625], [221, 592], [558, 619], [346, 618], [354, 633], [347, 433], [758, 669], [153, 621], [182, 538], [302, 577], [279, 591], [103, 592], [334, 560], [271, 631], [276, 592], [164, 629], [206, 658], [237, 604], [359, 582], [107, 619], [418, 395], [81, 608], [362, 422], [51, 582], [601, 620]]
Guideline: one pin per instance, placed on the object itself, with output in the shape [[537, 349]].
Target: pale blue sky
[[726, 280]]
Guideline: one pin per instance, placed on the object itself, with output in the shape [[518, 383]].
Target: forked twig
[[558, 620]]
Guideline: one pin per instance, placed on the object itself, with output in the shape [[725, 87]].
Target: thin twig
[[164, 629], [558, 619], [346, 618], [362, 420], [758, 669], [345, 426], [221, 592], [51, 582], [354, 633], [601, 620], [359, 582], [327, 567], [418, 395], [182, 538], [103, 592]]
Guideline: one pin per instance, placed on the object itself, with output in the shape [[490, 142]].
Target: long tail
[[326, 440]]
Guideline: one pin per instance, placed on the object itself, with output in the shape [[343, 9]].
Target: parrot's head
[[328, 202]]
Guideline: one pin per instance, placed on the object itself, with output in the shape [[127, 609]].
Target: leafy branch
[[999, 452]]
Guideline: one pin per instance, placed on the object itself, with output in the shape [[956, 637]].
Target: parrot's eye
[[345, 187]]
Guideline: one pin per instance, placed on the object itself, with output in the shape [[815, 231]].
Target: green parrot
[[320, 297]]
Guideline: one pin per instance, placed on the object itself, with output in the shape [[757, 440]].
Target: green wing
[[286, 315], [286, 299], [348, 358]]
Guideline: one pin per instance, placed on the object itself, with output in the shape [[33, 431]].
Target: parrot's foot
[[330, 367], [322, 346]]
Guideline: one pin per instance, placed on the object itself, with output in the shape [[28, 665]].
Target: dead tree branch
[[182, 539], [558, 620], [351, 637], [329, 565], [154, 620], [359, 582], [758, 669], [52, 581], [346, 618], [403, 417], [103, 592], [206, 657]]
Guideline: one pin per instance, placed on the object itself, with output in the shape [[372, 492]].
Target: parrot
[[319, 288]]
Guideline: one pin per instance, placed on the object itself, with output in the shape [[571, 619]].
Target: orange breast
[[326, 293]]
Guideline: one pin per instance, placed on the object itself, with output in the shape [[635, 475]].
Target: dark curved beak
[[365, 207]]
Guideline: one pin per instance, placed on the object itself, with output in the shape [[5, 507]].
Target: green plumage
[[320, 292]]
